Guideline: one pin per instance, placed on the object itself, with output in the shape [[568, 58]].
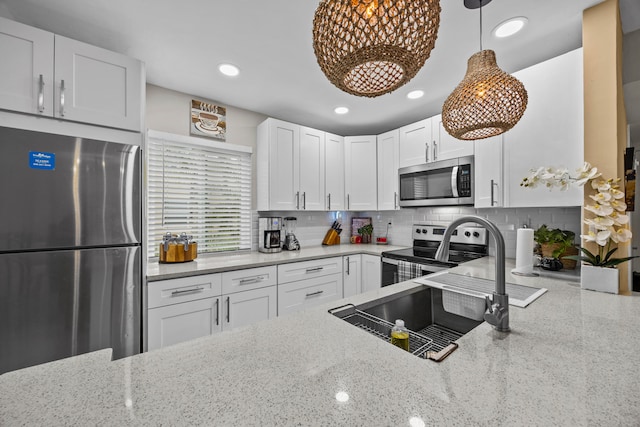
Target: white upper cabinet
[[551, 132], [50, 75], [334, 172], [416, 144], [360, 172], [489, 187], [388, 161], [446, 146], [311, 161]]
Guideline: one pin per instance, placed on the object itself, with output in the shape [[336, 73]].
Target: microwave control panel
[[464, 180]]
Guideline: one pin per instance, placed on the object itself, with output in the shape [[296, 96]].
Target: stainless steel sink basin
[[432, 329]]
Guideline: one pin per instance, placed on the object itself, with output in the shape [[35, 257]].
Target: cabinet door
[[283, 146], [550, 133], [371, 272], [352, 276], [176, 323], [488, 182], [244, 308], [26, 68], [360, 173], [334, 172], [296, 296], [415, 144], [94, 85], [311, 169], [446, 146], [388, 160]]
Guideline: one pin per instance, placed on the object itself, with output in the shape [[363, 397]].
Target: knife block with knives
[[333, 234]]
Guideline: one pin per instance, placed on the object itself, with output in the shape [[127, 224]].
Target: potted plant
[[365, 231], [558, 244], [606, 219]]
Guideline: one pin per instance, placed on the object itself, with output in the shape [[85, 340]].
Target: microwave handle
[[454, 181]]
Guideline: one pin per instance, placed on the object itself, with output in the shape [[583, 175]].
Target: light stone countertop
[[570, 360], [219, 263]]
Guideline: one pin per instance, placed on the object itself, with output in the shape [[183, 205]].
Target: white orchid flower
[[618, 205], [600, 185], [621, 235], [600, 237], [601, 198], [600, 222], [586, 173], [618, 218], [600, 210], [616, 194]]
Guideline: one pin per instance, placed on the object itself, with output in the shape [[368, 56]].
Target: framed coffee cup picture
[[208, 120]]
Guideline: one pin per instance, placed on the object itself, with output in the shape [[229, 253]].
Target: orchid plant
[[608, 220]]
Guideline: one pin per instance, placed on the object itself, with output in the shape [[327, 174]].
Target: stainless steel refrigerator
[[70, 254]]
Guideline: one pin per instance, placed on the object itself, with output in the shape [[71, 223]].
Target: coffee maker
[[290, 240], [269, 230]]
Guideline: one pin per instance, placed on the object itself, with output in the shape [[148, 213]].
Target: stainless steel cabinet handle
[[297, 200], [314, 269], [348, 202], [493, 201], [435, 151], [251, 280], [426, 152], [217, 311], [329, 204], [228, 309], [41, 94], [395, 200], [348, 265], [304, 200], [186, 291], [62, 98], [314, 293]]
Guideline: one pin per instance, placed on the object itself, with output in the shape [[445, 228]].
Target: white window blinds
[[199, 187]]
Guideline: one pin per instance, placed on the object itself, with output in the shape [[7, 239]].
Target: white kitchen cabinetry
[[247, 307], [416, 143], [50, 75], [489, 182], [371, 272], [388, 161], [352, 276], [551, 132], [290, 162], [308, 283], [183, 309], [360, 172], [334, 172], [446, 146]]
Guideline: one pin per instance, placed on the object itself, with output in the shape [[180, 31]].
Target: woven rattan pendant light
[[372, 47], [488, 101]]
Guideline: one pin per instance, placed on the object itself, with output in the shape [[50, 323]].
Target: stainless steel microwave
[[440, 183]]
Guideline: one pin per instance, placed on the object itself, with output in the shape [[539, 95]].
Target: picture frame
[[208, 120]]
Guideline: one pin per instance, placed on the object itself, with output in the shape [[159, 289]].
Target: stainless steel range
[[467, 243]]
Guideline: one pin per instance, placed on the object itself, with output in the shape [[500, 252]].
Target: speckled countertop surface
[[217, 264], [570, 360]]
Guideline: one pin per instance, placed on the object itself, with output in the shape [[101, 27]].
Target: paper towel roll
[[524, 251]]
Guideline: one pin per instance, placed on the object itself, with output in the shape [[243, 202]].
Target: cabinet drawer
[[308, 269], [296, 296], [251, 278], [174, 291]]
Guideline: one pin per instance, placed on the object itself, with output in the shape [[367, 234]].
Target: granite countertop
[[570, 359], [219, 263]]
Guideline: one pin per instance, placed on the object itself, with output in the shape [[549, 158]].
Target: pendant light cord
[[480, 25]]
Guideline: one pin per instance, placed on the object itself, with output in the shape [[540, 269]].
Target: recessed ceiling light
[[510, 27], [415, 94], [229, 70], [341, 110]]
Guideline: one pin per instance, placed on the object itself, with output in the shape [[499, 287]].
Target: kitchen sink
[[432, 329]]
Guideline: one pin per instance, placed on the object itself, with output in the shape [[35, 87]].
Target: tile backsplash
[[312, 226]]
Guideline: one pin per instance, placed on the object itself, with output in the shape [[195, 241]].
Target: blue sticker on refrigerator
[[41, 160]]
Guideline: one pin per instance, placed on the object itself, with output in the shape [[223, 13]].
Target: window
[[202, 188]]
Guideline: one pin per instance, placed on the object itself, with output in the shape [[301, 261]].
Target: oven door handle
[[427, 267], [454, 181]]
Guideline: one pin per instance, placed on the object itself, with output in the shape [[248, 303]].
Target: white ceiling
[[183, 42]]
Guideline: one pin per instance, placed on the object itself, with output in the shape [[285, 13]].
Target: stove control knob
[[424, 231], [418, 231], [476, 234], [467, 233]]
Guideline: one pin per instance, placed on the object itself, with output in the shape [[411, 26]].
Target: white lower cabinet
[[245, 308], [371, 272], [352, 275], [295, 296]]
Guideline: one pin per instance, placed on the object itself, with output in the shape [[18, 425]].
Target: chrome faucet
[[497, 313]]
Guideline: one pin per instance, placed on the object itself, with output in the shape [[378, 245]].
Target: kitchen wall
[[312, 226]]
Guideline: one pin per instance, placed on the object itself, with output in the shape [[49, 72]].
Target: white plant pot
[[599, 279]]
